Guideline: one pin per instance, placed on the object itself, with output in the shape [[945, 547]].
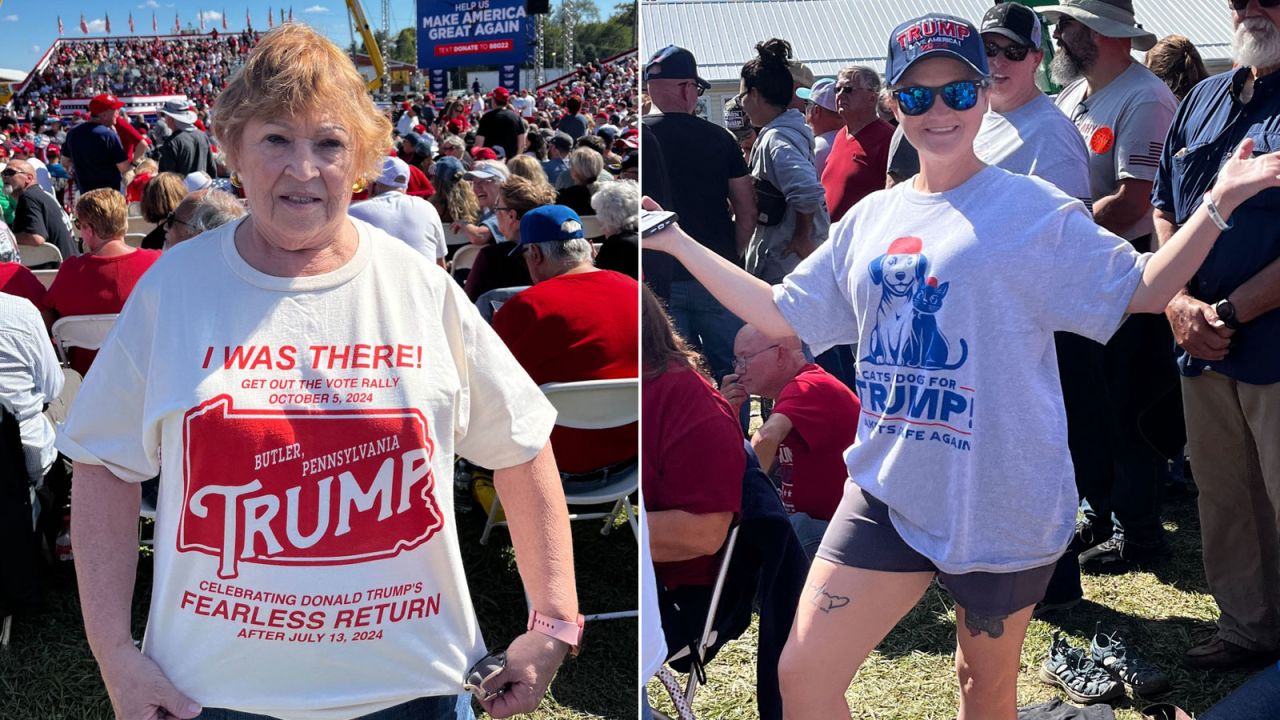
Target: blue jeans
[[441, 707], [1255, 700], [705, 324], [809, 530]]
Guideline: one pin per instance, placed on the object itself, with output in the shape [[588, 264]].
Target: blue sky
[[28, 27]]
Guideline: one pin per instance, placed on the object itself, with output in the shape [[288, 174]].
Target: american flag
[[1150, 159], [200, 14], [108, 25], [84, 26], [270, 19], [177, 24], [224, 18], [154, 29], [131, 29], [248, 22], [59, 24]]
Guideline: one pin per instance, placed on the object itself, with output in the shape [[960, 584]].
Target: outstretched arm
[[1177, 260], [746, 296]]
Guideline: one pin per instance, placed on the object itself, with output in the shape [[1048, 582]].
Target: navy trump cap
[[930, 36]]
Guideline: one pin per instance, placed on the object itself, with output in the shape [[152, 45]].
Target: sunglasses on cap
[[1015, 53], [1239, 5], [959, 95]]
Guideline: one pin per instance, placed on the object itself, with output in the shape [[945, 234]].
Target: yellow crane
[[370, 43]]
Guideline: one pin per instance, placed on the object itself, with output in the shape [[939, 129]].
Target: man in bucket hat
[[187, 149], [1123, 113]]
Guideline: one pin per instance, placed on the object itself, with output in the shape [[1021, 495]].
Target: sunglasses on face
[[172, 220], [959, 95], [1239, 5], [1015, 53]]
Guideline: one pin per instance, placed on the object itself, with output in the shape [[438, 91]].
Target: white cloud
[[9, 18], [98, 25], [317, 9], [211, 15], [37, 49], [150, 4]]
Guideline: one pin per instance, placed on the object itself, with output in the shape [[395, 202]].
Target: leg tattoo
[[825, 601], [978, 624]]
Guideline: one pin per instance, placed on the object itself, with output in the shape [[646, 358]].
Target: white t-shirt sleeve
[[814, 298], [502, 418], [1090, 276], [108, 423], [1140, 140]]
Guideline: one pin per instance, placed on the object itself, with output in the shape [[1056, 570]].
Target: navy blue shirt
[[1210, 124], [95, 153]]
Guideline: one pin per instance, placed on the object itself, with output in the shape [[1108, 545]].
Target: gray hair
[[863, 75], [586, 163], [616, 204], [566, 254], [215, 209]]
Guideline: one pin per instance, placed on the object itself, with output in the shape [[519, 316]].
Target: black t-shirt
[[40, 214], [576, 198], [503, 127], [700, 158], [95, 153], [575, 126], [187, 151]]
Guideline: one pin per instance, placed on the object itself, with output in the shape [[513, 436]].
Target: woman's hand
[[139, 689], [532, 661], [666, 239], [1244, 176]]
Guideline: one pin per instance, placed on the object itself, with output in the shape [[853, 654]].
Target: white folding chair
[[33, 255], [708, 637], [46, 277], [134, 239], [82, 331], [60, 406], [465, 257], [452, 239], [140, 225], [591, 227], [593, 405]]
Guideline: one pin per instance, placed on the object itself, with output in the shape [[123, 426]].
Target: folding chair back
[[60, 407], [139, 225], [82, 331], [591, 227], [46, 277], [37, 255], [134, 239], [465, 257]]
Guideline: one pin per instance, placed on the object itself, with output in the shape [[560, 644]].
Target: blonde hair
[[161, 196], [586, 164], [147, 167], [104, 210], [523, 194], [1176, 61], [528, 167], [295, 71]]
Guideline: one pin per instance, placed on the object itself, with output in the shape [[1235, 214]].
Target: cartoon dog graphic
[[899, 271]]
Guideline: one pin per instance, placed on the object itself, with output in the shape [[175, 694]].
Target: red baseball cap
[[101, 103], [483, 153], [500, 93], [406, 105]]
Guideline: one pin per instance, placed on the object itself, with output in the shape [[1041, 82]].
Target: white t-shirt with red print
[[306, 559]]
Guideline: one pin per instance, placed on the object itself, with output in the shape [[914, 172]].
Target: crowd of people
[[349, 217], [1090, 263]]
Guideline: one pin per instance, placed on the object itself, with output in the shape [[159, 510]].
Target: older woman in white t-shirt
[[952, 286], [301, 382]]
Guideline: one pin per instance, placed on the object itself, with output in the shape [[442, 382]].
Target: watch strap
[[568, 632], [1228, 317]]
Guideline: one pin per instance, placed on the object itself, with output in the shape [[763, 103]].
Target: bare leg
[[844, 613], [987, 661]]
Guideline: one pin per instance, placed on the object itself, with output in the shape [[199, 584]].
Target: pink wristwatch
[[568, 632]]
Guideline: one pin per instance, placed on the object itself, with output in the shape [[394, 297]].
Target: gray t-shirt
[[953, 299], [1037, 139], [1124, 126]]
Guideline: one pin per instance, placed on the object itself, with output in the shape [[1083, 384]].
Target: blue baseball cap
[[935, 34], [549, 223]]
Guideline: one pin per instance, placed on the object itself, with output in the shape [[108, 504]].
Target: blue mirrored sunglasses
[[959, 95]]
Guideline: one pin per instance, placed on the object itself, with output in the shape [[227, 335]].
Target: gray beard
[[1256, 49], [1067, 66]]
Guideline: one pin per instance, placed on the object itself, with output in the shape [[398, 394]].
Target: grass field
[[912, 677], [48, 672]]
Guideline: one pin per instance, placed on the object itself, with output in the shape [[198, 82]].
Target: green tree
[[406, 46]]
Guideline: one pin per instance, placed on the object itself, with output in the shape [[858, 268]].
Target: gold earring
[[235, 180], [359, 185]]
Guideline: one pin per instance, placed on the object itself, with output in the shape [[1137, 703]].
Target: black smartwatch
[[1226, 313]]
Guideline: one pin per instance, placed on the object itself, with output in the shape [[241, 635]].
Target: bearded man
[[1228, 327]]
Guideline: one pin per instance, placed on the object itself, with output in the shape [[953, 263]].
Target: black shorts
[[861, 535]]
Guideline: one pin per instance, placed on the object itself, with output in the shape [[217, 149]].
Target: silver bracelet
[[1214, 215]]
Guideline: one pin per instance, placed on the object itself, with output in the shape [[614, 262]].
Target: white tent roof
[[830, 34]]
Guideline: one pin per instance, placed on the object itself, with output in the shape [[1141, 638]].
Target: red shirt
[[810, 467], [582, 326], [856, 166], [419, 184], [693, 460], [16, 279], [92, 285], [129, 135]]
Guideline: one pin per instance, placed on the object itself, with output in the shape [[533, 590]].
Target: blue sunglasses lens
[[915, 100], [960, 95]]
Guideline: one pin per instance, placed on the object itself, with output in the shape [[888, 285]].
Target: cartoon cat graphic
[[927, 348]]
